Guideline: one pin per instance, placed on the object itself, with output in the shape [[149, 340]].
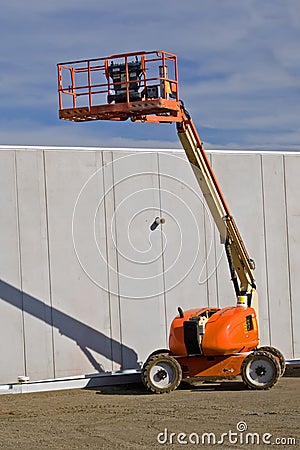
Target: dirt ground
[[127, 417]]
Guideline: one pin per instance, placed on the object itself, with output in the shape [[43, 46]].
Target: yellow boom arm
[[241, 266]]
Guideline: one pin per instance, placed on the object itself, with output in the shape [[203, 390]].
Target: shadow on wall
[[83, 335]]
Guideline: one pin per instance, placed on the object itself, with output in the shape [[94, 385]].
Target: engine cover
[[213, 331], [230, 330]]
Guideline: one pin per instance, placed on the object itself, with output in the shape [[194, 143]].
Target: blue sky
[[239, 68]]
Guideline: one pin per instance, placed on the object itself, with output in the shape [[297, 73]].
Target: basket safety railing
[[119, 80]]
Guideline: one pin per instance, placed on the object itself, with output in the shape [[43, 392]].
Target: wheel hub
[[260, 371], [161, 374]]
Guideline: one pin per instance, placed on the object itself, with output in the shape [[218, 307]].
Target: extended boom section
[[239, 262]]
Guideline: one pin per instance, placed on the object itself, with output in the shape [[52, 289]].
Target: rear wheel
[[161, 374], [277, 353], [260, 370], [161, 351]]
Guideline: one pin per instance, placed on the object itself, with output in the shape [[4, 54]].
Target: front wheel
[[260, 370], [278, 355], [161, 374]]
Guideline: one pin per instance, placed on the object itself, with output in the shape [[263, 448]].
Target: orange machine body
[[213, 332]]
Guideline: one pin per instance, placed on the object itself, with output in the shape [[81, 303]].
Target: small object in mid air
[[156, 222]]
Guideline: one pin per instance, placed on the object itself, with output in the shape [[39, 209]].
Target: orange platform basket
[[141, 86]]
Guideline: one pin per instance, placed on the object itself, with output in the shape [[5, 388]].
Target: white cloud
[[60, 135]]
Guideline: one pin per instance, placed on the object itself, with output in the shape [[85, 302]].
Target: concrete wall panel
[[214, 254], [81, 318], [112, 263], [240, 178], [35, 264], [139, 253], [292, 168], [277, 266], [11, 317], [183, 235]]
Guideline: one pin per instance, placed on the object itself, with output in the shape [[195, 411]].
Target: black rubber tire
[[161, 351], [161, 374], [268, 363], [277, 353]]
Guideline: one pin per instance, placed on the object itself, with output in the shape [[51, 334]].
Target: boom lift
[[204, 343]]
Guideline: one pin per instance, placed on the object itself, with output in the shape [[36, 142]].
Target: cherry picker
[[204, 343]]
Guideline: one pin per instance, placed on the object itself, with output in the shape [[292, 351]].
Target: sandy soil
[[128, 417]]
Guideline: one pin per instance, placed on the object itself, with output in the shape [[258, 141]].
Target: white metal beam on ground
[[78, 382]]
